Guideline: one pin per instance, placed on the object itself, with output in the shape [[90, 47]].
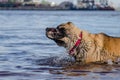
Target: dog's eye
[[61, 29]]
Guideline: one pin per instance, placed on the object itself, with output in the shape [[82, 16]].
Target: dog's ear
[[69, 23]]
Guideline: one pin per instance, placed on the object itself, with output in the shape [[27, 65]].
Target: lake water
[[27, 54]]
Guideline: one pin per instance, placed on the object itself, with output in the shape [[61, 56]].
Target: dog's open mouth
[[54, 33]]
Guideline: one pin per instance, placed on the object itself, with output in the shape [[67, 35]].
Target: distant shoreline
[[50, 10], [53, 9]]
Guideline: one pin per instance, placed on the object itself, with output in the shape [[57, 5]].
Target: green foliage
[[45, 2]]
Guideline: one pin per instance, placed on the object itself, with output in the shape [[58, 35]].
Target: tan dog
[[83, 46]]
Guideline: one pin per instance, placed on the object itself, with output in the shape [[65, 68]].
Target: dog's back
[[110, 46]]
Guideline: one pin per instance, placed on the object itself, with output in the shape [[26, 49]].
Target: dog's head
[[62, 34]]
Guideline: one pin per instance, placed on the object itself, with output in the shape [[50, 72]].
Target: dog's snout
[[51, 29]]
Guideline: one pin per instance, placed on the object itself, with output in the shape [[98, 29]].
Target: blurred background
[[61, 5]]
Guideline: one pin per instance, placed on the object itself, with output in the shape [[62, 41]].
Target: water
[[26, 53]]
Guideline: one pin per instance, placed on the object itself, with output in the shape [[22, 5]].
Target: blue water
[[27, 54]]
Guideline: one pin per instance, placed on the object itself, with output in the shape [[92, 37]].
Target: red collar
[[71, 51]]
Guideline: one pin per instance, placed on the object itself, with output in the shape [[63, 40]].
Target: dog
[[85, 47]]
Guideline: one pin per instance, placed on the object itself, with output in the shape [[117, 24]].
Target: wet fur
[[93, 48]]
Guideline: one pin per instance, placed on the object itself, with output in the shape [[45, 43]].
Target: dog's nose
[[47, 29], [51, 29]]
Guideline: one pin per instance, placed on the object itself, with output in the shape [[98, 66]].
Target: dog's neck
[[77, 43], [82, 49]]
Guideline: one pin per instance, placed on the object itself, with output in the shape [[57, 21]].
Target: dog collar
[[71, 51]]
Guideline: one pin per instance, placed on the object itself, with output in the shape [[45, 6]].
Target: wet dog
[[84, 46]]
